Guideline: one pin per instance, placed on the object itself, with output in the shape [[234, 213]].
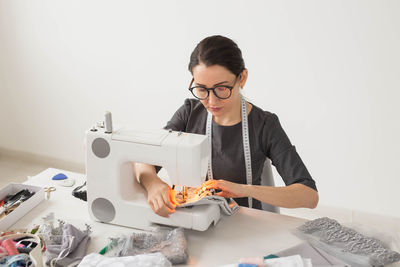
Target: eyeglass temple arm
[[190, 86]]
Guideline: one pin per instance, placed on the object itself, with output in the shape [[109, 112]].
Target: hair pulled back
[[218, 50]]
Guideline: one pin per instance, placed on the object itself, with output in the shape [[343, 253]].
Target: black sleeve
[[283, 154], [179, 120]]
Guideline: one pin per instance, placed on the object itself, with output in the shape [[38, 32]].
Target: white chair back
[[267, 179]]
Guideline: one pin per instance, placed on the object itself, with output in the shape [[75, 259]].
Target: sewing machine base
[[143, 217]]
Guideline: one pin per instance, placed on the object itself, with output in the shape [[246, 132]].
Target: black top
[[267, 139]]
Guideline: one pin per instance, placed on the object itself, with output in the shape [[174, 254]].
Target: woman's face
[[212, 76]]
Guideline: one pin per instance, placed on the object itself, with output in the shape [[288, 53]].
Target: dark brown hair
[[218, 50]]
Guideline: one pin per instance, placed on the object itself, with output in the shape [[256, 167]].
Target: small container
[[24, 207]]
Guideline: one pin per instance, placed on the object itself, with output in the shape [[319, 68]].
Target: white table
[[248, 233]]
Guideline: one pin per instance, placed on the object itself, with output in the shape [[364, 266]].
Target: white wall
[[329, 69]]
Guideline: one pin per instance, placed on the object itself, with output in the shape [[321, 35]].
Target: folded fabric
[[347, 244], [143, 260], [228, 207], [65, 244], [171, 243]]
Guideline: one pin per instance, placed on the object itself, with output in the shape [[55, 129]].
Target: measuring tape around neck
[[246, 145]]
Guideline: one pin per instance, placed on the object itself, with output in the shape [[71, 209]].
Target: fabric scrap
[[65, 245], [143, 260], [346, 243], [171, 243], [228, 207]]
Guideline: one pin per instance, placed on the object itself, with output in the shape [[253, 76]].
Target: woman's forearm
[[145, 174], [292, 196]]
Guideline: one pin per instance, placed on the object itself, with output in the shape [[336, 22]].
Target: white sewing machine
[[113, 193]]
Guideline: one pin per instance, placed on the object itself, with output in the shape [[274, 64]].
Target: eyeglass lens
[[221, 92]]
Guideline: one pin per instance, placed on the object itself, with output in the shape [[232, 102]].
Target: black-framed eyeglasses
[[220, 91]]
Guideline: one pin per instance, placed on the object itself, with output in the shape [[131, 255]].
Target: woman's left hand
[[228, 189]]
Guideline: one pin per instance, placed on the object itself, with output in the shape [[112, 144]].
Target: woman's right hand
[[161, 198]]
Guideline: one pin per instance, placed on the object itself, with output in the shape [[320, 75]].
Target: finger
[[155, 205], [159, 203], [152, 206], [222, 194], [170, 211], [165, 212], [214, 185], [165, 199], [172, 198], [208, 182]]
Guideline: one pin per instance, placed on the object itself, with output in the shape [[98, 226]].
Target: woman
[[239, 147]]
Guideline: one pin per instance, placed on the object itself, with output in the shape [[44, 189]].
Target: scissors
[[48, 190]]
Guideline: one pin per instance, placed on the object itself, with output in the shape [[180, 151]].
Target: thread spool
[[9, 245], [108, 122]]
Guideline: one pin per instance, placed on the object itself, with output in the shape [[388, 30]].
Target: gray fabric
[[171, 243], [228, 208], [347, 244], [267, 140], [65, 244], [74, 257]]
